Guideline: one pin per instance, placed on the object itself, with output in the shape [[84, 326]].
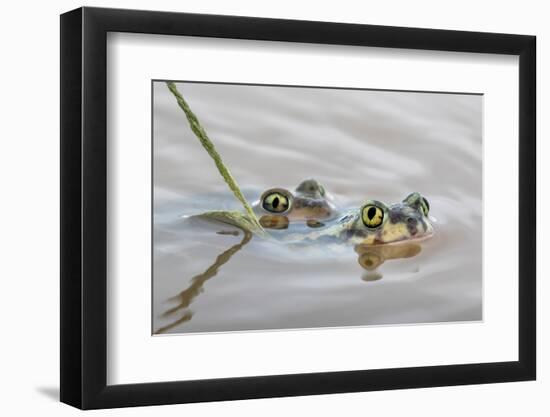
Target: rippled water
[[359, 144]]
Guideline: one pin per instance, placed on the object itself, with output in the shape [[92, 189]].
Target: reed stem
[[207, 144]]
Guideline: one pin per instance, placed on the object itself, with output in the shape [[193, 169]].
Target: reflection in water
[[269, 221], [389, 144], [188, 295], [370, 257], [279, 222], [314, 223]]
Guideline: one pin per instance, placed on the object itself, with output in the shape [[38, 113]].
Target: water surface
[[360, 144]]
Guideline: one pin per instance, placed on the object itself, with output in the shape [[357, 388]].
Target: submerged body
[[374, 223], [309, 203]]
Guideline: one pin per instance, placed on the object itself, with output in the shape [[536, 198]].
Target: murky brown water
[[359, 145]]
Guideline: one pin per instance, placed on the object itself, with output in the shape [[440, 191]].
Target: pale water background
[[360, 144]]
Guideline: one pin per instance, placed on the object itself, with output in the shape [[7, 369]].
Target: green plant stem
[[207, 144]]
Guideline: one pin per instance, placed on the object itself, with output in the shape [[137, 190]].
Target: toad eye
[[372, 215], [276, 201], [424, 206], [416, 201]]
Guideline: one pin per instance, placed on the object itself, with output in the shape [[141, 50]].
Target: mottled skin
[[309, 203], [407, 220], [374, 223]]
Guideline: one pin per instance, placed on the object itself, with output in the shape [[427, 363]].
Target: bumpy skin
[[309, 202], [403, 221], [399, 222]]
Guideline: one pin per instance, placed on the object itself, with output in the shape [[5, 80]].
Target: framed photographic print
[[258, 207]]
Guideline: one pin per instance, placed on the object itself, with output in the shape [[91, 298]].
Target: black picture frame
[[84, 207]]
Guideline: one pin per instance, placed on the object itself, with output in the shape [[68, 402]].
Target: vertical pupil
[[275, 202], [427, 205], [371, 212]]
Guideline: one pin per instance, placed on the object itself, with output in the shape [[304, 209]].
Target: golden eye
[[424, 206], [372, 215], [276, 202], [416, 201]]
